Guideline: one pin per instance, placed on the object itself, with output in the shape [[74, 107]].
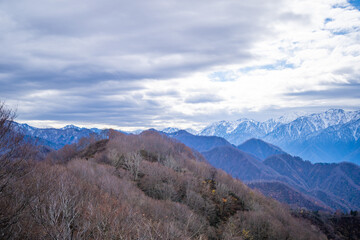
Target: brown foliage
[[144, 186]]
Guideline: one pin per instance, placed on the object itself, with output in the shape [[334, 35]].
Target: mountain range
[[263, 154], [287, 178], [58, 138], [144, 186], [331, 136]]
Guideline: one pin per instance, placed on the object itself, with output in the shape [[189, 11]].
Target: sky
[[165, 63]]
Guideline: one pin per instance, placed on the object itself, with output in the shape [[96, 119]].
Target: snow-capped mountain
[[170, 130], [238, 131], [309, 136], [173, 130], [57, 138], [70, 127], [288, 117], [330, 136], [306, 127], [137, 131], [192, 131]]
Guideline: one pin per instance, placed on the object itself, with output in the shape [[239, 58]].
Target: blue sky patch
[[341, 32], [281, 64], [355, 3], [228, 76], [328, 20], [224, 76]]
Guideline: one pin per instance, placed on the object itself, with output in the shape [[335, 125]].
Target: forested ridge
[[145, 186]]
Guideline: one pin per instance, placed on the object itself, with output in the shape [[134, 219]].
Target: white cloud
[[142, 64]]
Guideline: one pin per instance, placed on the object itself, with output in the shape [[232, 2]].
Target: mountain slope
[[239, 164], [199, 143], [238, 131], [258, 174], [330, 186], [313, 181], [339, 143], [292, 167], [259, 148], [286, 194], [337, 185]]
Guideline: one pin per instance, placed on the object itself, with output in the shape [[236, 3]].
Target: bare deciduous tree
[[129, 161], [57, 208], [12, 151]]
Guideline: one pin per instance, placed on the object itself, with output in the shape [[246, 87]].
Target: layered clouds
[[165, 63]]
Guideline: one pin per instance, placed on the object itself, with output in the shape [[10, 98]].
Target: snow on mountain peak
[[170, 130], [332, 117], [70, 127], [192, 131], [288, 117], [289, 126]]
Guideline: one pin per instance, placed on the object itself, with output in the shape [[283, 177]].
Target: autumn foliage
[[145, 186]]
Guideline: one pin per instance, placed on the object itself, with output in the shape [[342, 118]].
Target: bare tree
[[129, 161], [57, 205], [13, 150], [9, 144]]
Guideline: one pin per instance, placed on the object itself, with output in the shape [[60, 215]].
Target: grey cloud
[[171, 93], [203, 98], [131, 110], [345, 70], [289, 16], [197, 31], [77, 47], [341, 91]]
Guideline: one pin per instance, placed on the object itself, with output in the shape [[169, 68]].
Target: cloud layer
[[184, 63]]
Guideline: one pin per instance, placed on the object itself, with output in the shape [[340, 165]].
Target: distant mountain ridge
[[174, 129], [57, 138], [320, 186], [199, 143], [239, 164], [263, 165], [286, 194], [326, 186], [330, 136], [336, 185], [309, 136], [260, 149]]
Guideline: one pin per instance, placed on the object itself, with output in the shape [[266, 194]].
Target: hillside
[[199, 143], [337, 185], [286, 194], [326, 186], [336, 226], [259, 148], [239, 164], [145, 186]]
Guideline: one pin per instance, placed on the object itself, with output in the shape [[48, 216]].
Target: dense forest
[[145, 186]]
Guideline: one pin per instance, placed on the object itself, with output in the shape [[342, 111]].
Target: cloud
[[178, 63], [203, 98], [333, 92], [163, 93], [135, 39]]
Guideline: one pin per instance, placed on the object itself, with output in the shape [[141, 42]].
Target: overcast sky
[[141, 64]]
